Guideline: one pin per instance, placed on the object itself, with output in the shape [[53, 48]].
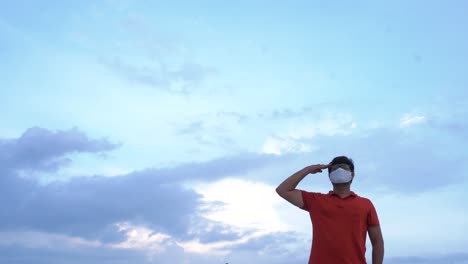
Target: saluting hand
[[317, 168]]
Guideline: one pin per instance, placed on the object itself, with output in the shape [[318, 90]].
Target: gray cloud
[[182, 79], [88, 206], [248, 253], [212, 134], [411, 159], [16, 254], [168, 66], [240, 118], [210, 231], [458, 258], [456, 125], [404, 160], [278, 248], [44, 150], [211, 170], [145, 75], [275, 243], [282, 247], [220, 123], [193, 127], [315, 109]]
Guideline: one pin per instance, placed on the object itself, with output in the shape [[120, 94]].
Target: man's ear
[[352, 174]]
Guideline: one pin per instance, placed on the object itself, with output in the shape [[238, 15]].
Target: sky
[[157, 131]]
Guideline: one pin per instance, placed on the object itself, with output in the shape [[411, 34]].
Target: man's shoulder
[[363, 200], [314, 194]]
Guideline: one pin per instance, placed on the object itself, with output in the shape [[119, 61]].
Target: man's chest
[[340, 211]]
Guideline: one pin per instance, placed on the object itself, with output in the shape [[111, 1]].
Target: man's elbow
[[281, 192], [278, 191]]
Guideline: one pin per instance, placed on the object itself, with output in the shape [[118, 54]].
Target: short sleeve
[[372, 218], [309, 199]]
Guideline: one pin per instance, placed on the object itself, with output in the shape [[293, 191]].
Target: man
[[341, 219]]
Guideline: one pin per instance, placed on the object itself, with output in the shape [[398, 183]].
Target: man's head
[[340, 168]]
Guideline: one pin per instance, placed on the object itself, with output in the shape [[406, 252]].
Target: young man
[[341, 219]]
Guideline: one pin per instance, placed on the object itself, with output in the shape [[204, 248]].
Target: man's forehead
[[341, 165]]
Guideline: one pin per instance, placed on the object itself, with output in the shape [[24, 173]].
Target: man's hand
[[317, 168], [287, 189]]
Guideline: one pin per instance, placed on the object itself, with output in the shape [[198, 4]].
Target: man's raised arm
[[287, 189]]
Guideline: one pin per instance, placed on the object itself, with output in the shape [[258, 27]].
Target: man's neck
[[342, 191]]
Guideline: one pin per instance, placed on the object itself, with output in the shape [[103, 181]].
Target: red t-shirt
[[339, 227]]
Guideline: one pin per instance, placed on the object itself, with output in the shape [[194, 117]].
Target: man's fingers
[[319, 167]]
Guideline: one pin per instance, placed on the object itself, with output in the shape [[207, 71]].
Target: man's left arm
[[376, 238]]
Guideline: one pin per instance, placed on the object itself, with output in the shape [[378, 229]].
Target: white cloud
[[330, 125], [145, 239], [410, 119], [291, 140], [247, 205], [249, 208], [139, 237], [278, 146]]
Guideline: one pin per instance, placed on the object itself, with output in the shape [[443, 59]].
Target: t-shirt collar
[[352, 194]]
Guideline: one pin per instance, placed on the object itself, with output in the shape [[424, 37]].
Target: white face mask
[[340, 176]]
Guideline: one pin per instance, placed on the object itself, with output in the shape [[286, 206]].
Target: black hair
[[342, 160]]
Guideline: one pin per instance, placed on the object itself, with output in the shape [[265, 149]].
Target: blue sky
[[157, 131]]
